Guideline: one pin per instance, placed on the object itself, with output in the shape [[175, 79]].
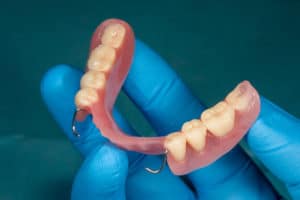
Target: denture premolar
[[113, 35], [175, 144], [195, 133], [85, 97], [102, 58], [93, 79], [219, 119]]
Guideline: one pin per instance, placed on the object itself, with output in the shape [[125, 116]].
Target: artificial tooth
[[86, 97], [238, 98], [191, 124], [195, 133], [113, 35], [102, 58], [93, 79], [175, 144], [219, 119]]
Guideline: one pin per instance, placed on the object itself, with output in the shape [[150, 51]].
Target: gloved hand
[[112, 173]]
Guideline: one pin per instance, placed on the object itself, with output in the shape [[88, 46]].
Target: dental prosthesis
[[198, 143]]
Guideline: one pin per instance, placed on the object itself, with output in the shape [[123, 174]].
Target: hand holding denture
[[195, 140]]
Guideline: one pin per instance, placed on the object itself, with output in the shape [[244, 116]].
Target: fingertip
[[58, 87], [55, 78], [59, 81], [102, 175]]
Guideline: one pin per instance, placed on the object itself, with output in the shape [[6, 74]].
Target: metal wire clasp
[[74, 130], [162, 166]]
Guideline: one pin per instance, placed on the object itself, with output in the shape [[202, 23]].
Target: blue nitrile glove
[[112, 173]]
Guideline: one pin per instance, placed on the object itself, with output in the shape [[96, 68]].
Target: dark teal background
[[212, 45]]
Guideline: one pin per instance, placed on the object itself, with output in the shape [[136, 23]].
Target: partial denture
[[198, 143]]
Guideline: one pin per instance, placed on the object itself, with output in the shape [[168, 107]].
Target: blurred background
[[212, 45]]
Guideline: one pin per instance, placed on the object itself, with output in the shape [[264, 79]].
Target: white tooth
[[238, 98], [93, 79], [195, 133], [190, 124], [219, 119], [102, 58], [113, 35], [175, 144], [86, 97]]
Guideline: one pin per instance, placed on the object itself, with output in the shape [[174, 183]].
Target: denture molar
[[195, 133], [93, 79], [219, 119], [113, 35], [86, 97], [239, 98], [102, 58], [175, 144]]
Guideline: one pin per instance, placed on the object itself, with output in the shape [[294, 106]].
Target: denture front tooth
[[102, 58], [93, 79], [238, 97], [195, 133], [175, 144], [85, 97], [113, 35], [219, 119]]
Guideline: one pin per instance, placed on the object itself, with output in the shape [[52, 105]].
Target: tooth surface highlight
[[113, 35], [102, 58], [195, 133], [93, 79], [219, 119], [238, 98], [175, 144], [85, 97]]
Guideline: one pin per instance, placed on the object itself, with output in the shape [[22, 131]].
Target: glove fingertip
[[58, 87], [53, 79]]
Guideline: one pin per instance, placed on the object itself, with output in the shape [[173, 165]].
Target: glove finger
[[234, 170], [275, 141], [143, 185], [102, 175], [158, 92]]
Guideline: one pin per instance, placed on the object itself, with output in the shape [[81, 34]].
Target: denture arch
[[199, 142]]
